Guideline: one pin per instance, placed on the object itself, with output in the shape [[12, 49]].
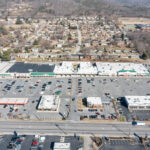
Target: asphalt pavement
[[72, 127]]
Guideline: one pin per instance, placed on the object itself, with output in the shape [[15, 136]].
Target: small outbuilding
[[94, 102]]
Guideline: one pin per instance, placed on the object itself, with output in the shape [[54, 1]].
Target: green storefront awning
[[42, 74], [8, 75], [133, 71], [147, 74]]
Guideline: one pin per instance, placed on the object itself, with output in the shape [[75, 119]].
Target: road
[[35, 34], [79, 40], [70, 127]]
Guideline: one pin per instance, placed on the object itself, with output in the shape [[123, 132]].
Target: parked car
[[11, 145], [5, 106], [148, 81], [97, 113], [59, 86], [16, 110], [85, 116], [49, 83], [35, 142]]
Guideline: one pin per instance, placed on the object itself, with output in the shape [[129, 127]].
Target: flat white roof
[[68, 68], [4, 66], [64, 68], [14, 101], [49, 102], [121, 69], [62, 146], [101, 68], [94, 101], [87, 68], [138, 100]]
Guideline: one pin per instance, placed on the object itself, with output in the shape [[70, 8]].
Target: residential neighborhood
[[93, 38]]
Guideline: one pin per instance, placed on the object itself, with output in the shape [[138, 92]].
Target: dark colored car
[[5, 106], [49, 83]]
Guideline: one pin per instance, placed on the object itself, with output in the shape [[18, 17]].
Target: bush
[[36, 42], [97, 140], [144, 56], [18, 21], [3, 30], [5, 56]]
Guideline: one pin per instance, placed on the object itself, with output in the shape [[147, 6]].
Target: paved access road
[[71, 127], [79, 40]]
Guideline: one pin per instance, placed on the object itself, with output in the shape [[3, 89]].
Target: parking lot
[[107, 112], [32, 89], [36, 142], [122, 144], [141, 115], [69, 89]]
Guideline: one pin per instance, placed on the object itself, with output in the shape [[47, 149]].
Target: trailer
[[140, 123]]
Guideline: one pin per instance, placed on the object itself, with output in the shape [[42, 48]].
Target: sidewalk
[[87, 143]]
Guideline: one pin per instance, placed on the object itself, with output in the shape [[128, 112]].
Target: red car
[[35, 143], [97, 113]]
